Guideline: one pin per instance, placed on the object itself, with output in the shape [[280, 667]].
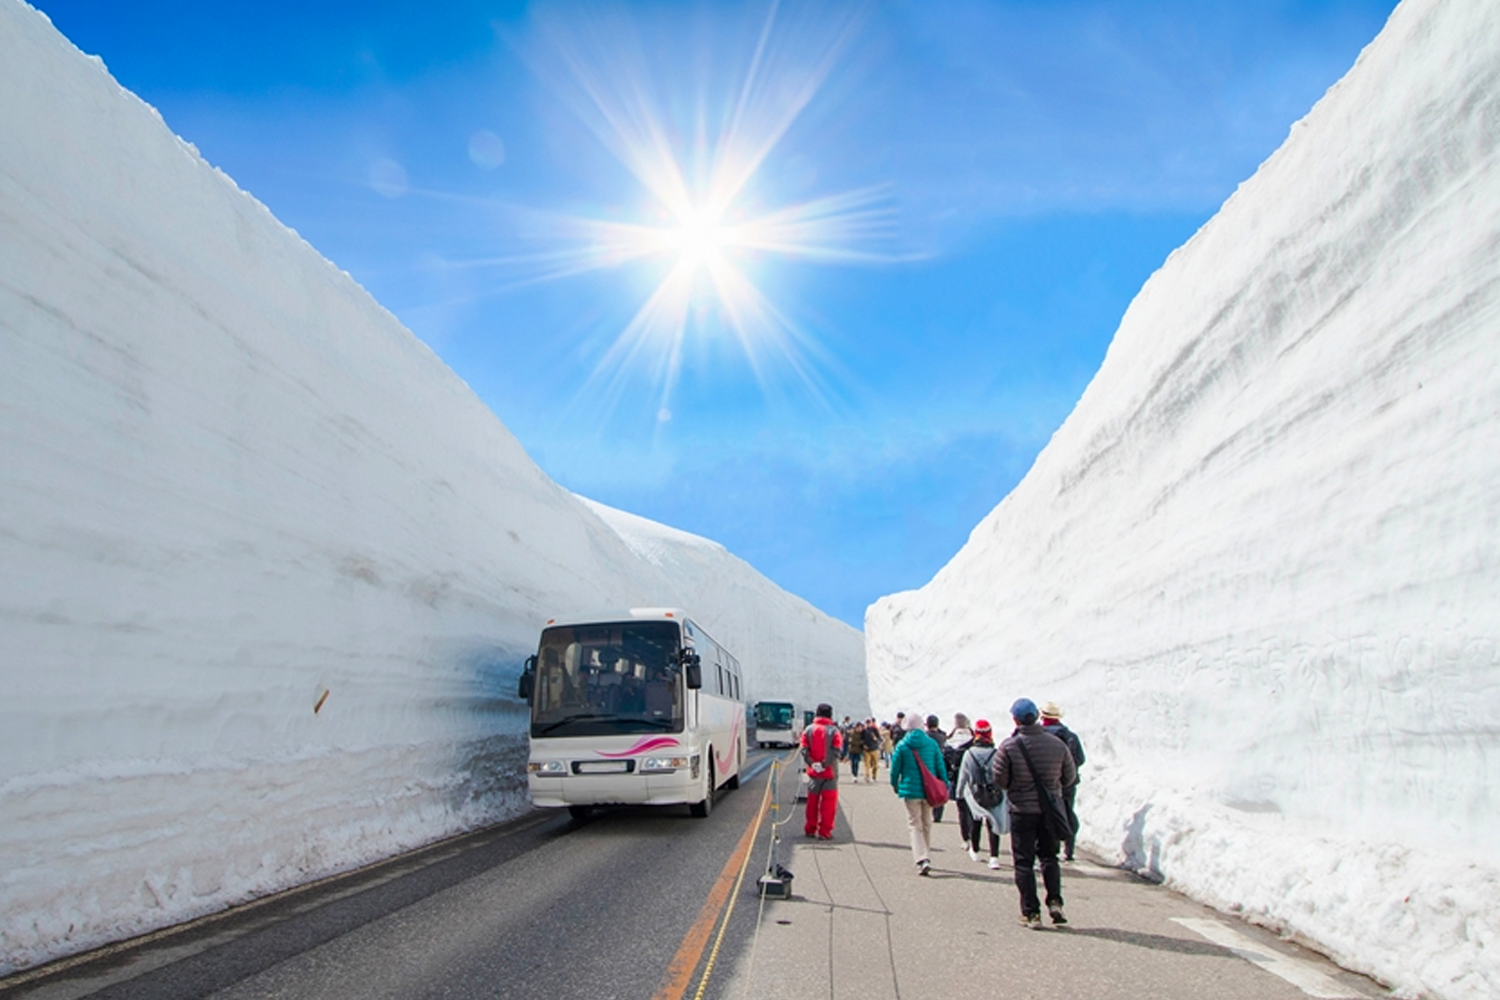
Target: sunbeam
[[704, 216]]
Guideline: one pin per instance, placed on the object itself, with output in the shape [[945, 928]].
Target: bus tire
[[700, 810], [580, 813]]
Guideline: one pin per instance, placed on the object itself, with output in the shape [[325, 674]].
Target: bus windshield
[[773, 715], [602, 679]]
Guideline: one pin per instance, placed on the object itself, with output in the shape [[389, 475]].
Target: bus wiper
[[568, 719], [667, 724]]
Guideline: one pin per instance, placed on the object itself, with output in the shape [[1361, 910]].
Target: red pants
[[822, 803]]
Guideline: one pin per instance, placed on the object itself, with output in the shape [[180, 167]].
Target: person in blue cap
[[1029, 757]]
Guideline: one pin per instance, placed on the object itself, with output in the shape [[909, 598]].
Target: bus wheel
[[700, 810], [579, 813]]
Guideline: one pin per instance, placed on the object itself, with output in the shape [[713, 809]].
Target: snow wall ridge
[[1256, 561]]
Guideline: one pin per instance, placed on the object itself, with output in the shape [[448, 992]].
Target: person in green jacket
[[906, 780]]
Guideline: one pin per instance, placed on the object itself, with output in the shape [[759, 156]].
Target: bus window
[[601, 679]]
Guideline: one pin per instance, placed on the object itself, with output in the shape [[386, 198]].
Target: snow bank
[[270, 568], [1259, 564]]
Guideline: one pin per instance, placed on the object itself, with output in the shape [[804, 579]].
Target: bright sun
[[705, 217], [700, 239]]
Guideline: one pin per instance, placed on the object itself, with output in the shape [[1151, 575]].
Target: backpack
[[953, 759], [984, 789]]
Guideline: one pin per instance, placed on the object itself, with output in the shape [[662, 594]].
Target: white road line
[[1300, 974]]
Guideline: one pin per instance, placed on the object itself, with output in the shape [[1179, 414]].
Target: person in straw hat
[[1052, 723]]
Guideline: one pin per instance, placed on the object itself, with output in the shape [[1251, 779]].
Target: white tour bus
[[778, 723], [632, 707]]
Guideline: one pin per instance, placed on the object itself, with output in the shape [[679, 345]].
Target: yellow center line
[[690, 952]]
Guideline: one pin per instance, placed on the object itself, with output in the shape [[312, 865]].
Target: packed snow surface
[[270, 568], [1259, 564]]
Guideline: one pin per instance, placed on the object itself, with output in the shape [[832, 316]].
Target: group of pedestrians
[[997, 789], [866, 744]]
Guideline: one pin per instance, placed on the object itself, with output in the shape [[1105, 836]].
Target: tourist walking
[[935, 730], [1052, 722], [1030, 760], [887, 743], [953, 758], [976, 787], [821, 743], [854, 741], [871, 737], [915, 751]]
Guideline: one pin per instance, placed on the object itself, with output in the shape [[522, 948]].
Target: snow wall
[[1259, 564], [270, 568]]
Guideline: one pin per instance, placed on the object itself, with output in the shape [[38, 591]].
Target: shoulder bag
[[1054, 814], [934, 790]]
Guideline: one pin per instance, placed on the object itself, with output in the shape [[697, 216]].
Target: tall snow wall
[[270, 568], [1259, 564]]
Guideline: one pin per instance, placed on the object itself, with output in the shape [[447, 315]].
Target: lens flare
[[700, 238], [704, 214]]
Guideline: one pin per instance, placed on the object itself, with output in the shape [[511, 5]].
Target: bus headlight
[[662, 765], [547, 768]]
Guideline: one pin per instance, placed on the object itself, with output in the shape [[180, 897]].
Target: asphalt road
[[613, 907]]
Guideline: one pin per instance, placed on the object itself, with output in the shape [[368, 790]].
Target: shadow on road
[[1155, 942]]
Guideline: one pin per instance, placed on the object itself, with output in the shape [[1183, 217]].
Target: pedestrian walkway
[[862, 925]]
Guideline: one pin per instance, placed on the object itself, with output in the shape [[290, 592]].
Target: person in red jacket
[[821, 743]]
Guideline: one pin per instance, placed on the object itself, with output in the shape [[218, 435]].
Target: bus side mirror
[[528, 680], [692, 669]]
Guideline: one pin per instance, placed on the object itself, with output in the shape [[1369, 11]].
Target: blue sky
[[815, 280]]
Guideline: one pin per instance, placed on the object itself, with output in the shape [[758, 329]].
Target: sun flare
[[704, 197], [700, 238]]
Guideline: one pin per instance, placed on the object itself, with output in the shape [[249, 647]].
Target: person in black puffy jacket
[[1030, 841]]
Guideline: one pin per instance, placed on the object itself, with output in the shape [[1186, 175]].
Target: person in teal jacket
[[906, 780]]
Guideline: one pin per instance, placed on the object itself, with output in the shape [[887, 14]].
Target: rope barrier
[[776, 825], [772, 798], [713, 955]]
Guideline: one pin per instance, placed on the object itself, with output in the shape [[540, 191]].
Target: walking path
[[862, 925]]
